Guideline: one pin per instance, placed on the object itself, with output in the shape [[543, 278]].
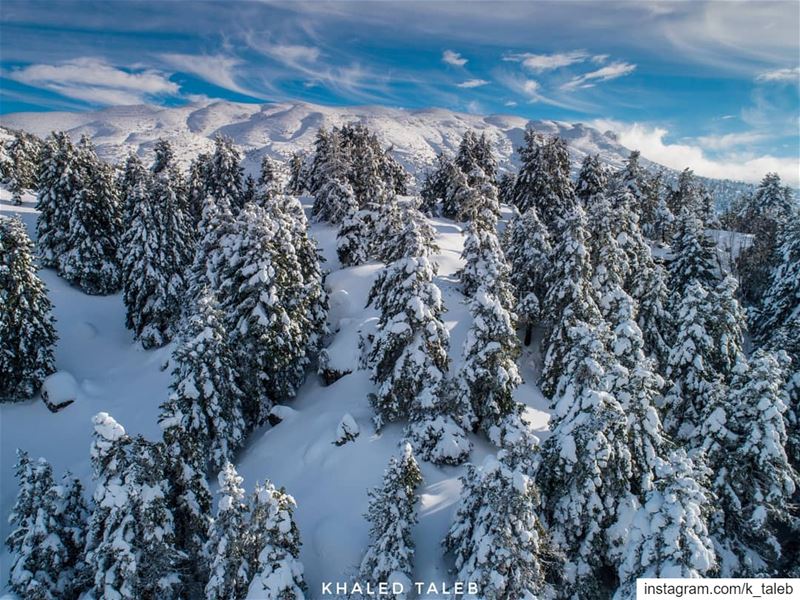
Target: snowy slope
[[328, 482]]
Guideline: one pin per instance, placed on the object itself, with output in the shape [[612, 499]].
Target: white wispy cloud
[[780, 75], [217, 69], [292, 52], [538, 63], [738, 165], [612, 71], [729, 140], [472, 83], [95, 81], [453, 58]]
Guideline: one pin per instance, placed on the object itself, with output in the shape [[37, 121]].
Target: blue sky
[[711, 85]]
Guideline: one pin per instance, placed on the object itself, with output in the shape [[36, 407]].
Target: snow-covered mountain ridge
[[280, 129]]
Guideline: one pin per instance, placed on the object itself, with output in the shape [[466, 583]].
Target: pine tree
[[230, 572], [727, 326], [668, 535], [753, 479], [544, 179], [632, 179], [408, 356], [497, 536], [60, 181], [132, 182], [586, 469], [764, 215], [196, 187], [434, 188], [414, 236], [90, 259], [610, 264], [570, 298], [205, 402], [592, 180], [457, 191], [505, 188], [694, 257], [131, 539], [392, 513], [296, 183], [225, 178], [782, 297], [653, 317], [696, 385], [157, 250], [528, 252], [490, 375], [279, 574], [190, 498], [49, 523], [27, 332], [23, 153], [485, 265], [353, 239], [687, 196]]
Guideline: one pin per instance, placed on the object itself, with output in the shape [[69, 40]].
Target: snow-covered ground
[[329, 482]]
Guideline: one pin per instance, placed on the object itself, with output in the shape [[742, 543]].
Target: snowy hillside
[[330, 483], [279, 130]]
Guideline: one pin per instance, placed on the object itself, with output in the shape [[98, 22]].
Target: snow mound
[[59, 387]]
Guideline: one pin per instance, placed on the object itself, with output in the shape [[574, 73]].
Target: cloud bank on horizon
[[714, 86]]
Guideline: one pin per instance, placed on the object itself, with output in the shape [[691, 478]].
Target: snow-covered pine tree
[[277, 570], [753, 480], [727, 326], [609, 261], [485, 264], [353, 242], [505, 188], [653, 318], [196, 186], [334, 196], [157, 249], [130, 545], [409, 353], [27, 331], [637, 387], [392, 513], [414, 236], [782, 296], [586, 469], [528, 250], [225, 176], [364, 161], [696, 386], [668, 535], [23, 153], [296, 182], [544, 179], [489, 375], [633, 179], [570, 297], [252, 286], [60, 181], [497, 537], [694, 257], [90, 258], [457, 193], [764, 215], [186, 468], [230, 571], [485, 159], [48, 529], [686, 197], [270, 177], [592, 180], [205, 403], [434, 188], [134, 177]]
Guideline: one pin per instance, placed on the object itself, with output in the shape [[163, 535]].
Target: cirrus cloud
[[472, 83], [612, 71], [97, 82]]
